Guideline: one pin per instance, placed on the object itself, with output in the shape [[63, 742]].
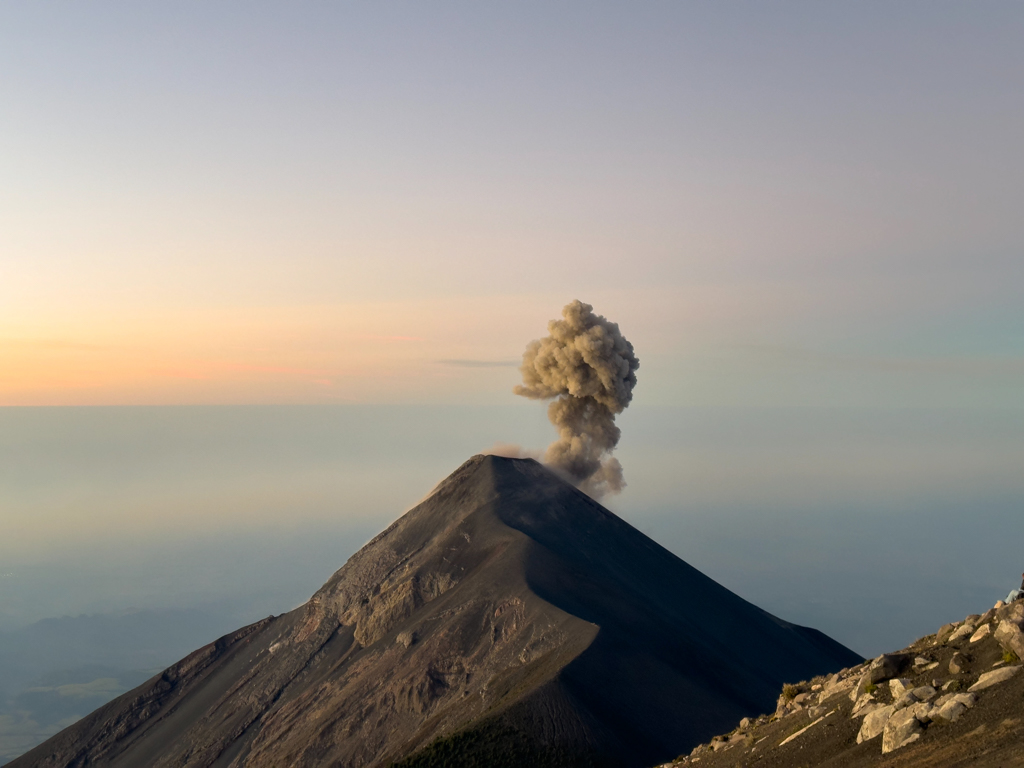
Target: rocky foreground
[[955, 698]]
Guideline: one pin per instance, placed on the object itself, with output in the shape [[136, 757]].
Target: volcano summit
[[506, 619]]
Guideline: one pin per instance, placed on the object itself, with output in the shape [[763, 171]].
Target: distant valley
[[55, 671]]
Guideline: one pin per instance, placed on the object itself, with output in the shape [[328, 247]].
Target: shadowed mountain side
[[508, 607]]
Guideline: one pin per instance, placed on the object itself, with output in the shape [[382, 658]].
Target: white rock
[[859, 687], [864, 705], [867, 710], [964, 630], [924, 712], [1009, 635], [834, 687], [803, 730], [967, 699], [898, 686], [901, 729], [988, 679], [953, 705], [951, 711], [942, 636], [983, 631], [906, 700], [874, 724], [925, 693]]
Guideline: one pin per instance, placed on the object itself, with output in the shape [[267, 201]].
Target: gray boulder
[[925, 693], [964, 630], [837, 685], [858, 688], [874, 724], [981, 633], [885, 666], [958, 663], [906, 700], [866, 703], [944, 632], [1010, 637], [951, 706], [898, 686], [1014, 612], [952, 711], [904, 727], [994, 677]]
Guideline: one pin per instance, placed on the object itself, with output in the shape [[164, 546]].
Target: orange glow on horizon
[[348, 353]]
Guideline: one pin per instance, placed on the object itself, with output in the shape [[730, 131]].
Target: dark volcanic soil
[[506, 609]]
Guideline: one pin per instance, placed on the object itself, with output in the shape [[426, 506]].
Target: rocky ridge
[[506, 620], [953, 699]]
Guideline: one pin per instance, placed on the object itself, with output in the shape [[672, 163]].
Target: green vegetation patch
[[498, 746]]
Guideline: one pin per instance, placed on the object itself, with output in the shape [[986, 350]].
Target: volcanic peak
[[508, 618]]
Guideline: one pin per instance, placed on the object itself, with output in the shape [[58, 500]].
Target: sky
[[267, 272], [789, 205], [804, 216]]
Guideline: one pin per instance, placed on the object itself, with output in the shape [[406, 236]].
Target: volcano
[[507, 619]]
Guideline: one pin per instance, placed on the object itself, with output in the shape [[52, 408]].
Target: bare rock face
[[922, 720], [505, 608], [874, 724], [902, 728], [958, 663], [1011, 638], [885, 667], [996, 676], [965, 630]]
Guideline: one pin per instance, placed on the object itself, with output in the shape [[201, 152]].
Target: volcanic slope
[[506, 619]]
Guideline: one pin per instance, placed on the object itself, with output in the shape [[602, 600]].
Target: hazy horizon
[[142, 533], [814, 514]]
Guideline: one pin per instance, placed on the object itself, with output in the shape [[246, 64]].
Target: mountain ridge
[[506, 598]]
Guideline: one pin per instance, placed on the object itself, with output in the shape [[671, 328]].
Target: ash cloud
[[589, 369]]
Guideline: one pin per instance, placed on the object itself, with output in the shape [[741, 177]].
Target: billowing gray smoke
[[590, 370]]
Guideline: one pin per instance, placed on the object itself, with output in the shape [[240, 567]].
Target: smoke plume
[[590, 370]]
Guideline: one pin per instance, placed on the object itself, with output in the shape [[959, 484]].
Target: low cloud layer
[[589, 369], [480, 363]]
